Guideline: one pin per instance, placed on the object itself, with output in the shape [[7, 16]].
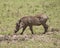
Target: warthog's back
[[31, 20], [34, 20]]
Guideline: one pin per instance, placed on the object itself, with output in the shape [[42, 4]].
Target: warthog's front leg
[[23, 30]]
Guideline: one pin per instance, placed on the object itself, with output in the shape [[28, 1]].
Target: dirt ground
[[48, 40], [41, 37]]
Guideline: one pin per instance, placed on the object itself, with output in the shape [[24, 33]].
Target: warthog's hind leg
[[31, 29], [45, 27]]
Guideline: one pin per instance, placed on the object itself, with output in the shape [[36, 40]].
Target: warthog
[[32, 21]]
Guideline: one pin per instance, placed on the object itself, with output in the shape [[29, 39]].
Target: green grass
[[12, 10], [29, 44]]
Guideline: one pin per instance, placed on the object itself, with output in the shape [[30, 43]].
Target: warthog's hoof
[[45, 32]]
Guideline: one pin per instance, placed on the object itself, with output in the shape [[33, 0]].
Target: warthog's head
[[17, 27]]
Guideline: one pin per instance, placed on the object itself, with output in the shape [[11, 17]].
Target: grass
[[12, 10], [29, 44]]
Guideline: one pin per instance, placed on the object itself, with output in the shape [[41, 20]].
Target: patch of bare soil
[[42, 37]]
